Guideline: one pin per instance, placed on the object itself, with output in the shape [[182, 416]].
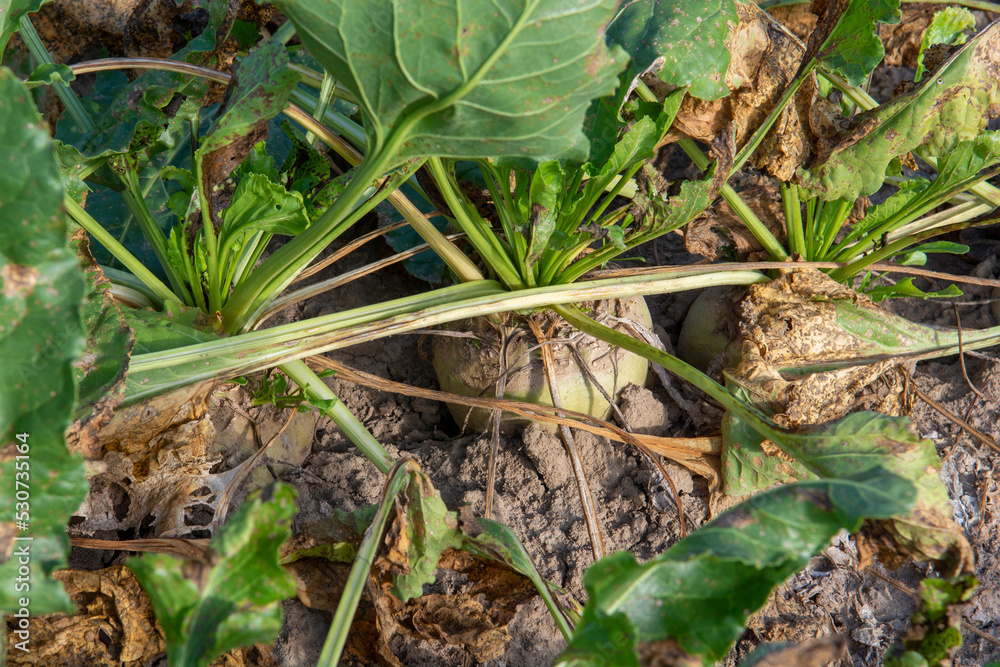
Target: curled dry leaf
[[790, 328], [765, 58], [114, 625], [720, 234]]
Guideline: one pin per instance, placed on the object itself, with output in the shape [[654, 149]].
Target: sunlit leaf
[[466, 79]]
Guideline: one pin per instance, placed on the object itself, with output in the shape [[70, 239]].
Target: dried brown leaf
[[765, 58], [720, 234], [154, 478], [902, 40], [114, 625]]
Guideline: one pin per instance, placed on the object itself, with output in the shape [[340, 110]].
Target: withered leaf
[[838, 419], [765, 58], [114, 625]]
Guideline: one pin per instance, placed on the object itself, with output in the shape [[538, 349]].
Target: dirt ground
[[537, 496]]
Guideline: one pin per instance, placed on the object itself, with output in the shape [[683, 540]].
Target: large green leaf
[[463, 78], [234, 601], [689, 35], [947, 108], [41, 335], [701, 591]]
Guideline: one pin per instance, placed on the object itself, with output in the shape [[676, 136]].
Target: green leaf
[[430, 529], [48, 74], [746, 467], [260, 204], [11, 12], [846, 38], [235, 601], [701, 591], [466, 79], [895, 207], [905, 287], [933, 119], [173, 327], [42, 291], [935, 633], [690, 37], [947, 27]]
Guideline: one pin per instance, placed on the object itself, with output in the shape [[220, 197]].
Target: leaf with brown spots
[[257, 93], [950, 105], [41, 295], [700, 592], [791, 327], [100, 372]]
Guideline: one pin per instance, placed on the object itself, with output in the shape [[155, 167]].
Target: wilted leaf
[[948, 107], [235, 600], [764, 61], [156, 464], [701, 591], [41, 335], [486, 553], [790, 326], [466, 79]]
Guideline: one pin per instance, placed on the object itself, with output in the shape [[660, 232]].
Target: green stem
[[284, 33], [844, 273], [355, 431], [477, 231], [66, 95], [280, 269], [325, 95], [211, 244], [132, 195], [250, 352], [138, 269], [684, 371], [336, 638], [793, 219]]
